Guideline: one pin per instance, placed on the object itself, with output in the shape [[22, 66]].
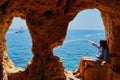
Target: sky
[[86, 19], [17, 23]]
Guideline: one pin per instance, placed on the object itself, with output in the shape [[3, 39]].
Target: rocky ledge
[[47, 21]]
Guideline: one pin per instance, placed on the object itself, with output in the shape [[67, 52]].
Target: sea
[[73, 48]]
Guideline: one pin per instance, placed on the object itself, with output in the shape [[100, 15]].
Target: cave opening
[[87, 25], [19, 43]]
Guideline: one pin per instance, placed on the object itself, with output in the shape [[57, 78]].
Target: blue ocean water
[[74, 47], [19, 47]]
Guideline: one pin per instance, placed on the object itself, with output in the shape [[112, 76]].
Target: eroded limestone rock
[[47, 21]]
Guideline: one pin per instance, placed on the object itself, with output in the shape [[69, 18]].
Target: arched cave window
[[19, 42], [86, 25]]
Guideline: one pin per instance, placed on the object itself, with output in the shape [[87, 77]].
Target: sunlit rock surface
[[47, 21]]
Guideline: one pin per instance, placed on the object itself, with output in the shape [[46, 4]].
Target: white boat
[[21, 30]]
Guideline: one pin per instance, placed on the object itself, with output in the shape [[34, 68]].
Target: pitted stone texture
[[47, 21]]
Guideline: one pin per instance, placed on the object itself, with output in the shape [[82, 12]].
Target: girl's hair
[[103, 43]]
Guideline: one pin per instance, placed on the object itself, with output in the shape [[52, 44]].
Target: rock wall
[[47, 21]]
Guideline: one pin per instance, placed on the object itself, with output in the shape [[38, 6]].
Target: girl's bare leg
[[82, 65]]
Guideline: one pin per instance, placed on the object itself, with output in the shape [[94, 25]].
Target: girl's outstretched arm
[[93, 43]]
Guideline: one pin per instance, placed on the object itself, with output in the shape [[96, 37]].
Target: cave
[[47, 23]]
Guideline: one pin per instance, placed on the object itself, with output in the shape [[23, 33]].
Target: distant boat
[[21, 30]]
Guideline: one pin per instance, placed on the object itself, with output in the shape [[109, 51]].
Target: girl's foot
[[75, 72], [78, 75]]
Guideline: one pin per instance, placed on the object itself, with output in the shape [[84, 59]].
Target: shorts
[[96, 62]]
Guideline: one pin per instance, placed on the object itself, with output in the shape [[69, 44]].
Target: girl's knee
[[83, 58]]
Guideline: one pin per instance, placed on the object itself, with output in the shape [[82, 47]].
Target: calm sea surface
[[73, 48]]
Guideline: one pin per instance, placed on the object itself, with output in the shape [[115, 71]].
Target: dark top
[[102, 53]]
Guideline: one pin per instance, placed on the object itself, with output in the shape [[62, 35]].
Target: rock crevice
[[47, 22]]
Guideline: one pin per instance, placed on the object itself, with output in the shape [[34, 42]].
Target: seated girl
[[101, 57]]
